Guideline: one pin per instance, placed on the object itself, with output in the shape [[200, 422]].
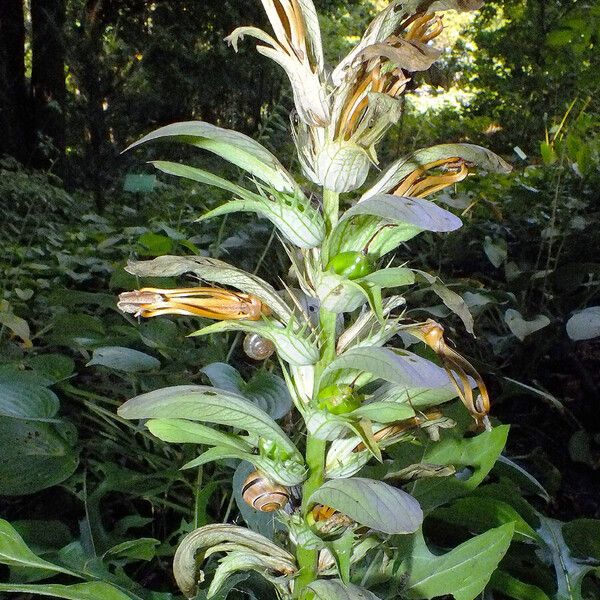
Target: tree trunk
[[48, 80], [14, 109]]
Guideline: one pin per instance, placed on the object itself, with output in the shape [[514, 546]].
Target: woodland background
[[81, 79]]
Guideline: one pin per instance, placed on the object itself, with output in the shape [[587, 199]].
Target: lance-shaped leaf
[[292, 347], [371, 503], [301, 224], [477, 156], [333, 589], [182, 431], [463, 572], [206, 404], [419, 213], [233, 146], [396, 366], [213, 271], [416, 397], [205, 541], [289, 472], [90, 590]]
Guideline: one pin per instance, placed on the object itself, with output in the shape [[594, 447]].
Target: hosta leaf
[[331, 589], [123, 359], [522, 328], [291, 347], [371, 503], [397, 171], [182, 431], [233, 146], [396, 366], [206, 404], [213, 271], [23, 400], [266, 390], [463, 572], [420, 213], [584, 325], [91, 590]]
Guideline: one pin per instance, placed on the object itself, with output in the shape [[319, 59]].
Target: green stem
[[315, 461]]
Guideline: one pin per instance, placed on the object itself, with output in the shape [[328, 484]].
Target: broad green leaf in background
[[35, 455], [332, 589], [213, 271], [15, 553], [266, 390], [585, 324], [463, 572], [522, 328], [123, 359], [206, 404], [371, 503], [473, 459], [495, 250], [396, 366], [27, 401], [479, 513], [233, 146], [510, 586], [91, 590]]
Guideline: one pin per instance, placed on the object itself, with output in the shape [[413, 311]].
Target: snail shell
[[258, 347], [262, 494]]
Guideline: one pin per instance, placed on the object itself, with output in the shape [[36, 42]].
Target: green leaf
[[154, 244], [392, 277], [35, 455], [15, 553], [507, 585], [463, 572], [139, 549], [584, 325], [396, 366], [384, 412], [522, 328], [419, 213], [332, 589], [371, 503], [233, 146], [213, 271], [123, 359], [92, 590], [182, 431], [207, 404], [266, 390], [478, 514], [56, 367], [583, 538], [473, 459], [27, 401]]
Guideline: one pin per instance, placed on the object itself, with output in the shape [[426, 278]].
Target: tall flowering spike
[[211, 303], [297, 48], [432, 177]]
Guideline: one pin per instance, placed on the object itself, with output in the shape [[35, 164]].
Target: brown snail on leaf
[[263, 494], [258, 347]]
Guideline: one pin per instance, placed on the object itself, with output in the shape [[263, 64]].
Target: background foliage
[[81, 79]]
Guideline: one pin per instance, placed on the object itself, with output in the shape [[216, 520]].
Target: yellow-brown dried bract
[[211, 303]]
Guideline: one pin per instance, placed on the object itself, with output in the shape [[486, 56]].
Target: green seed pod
[[351, 264], [338, 399]]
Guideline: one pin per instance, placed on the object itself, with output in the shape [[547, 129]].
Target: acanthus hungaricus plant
[[385, 437]]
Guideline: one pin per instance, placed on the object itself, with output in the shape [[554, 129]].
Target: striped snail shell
[[258, 347], [262, 494]]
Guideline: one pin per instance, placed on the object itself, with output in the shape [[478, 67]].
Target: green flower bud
[[270, 449], [351, 264], [338, 399]]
